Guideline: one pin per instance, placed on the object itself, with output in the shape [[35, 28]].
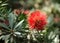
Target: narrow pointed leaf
[[4, 26], [6, 38], [20, 23], [1, 37], [11, 18]]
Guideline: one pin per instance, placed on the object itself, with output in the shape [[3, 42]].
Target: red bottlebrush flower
[[26, 12], [17, 11], [37, 20]]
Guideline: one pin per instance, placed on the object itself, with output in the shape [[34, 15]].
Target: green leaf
[[9, 11], [4, 26], [0, 1], [17, 34], [6, 38], [11, 18], [21, 17], [19, 24], [50, 19], [4, 4], [1, 37]]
